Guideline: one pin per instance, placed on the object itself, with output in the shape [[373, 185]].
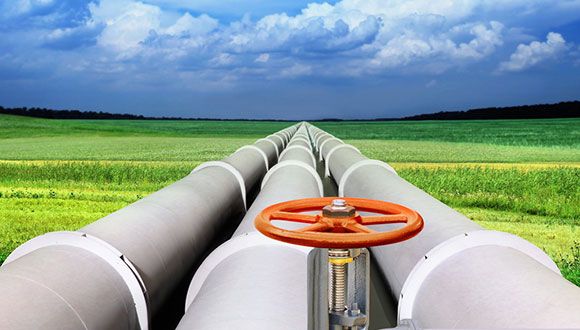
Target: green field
[[517, 176]]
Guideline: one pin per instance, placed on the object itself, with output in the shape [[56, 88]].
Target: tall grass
[[552, 192]]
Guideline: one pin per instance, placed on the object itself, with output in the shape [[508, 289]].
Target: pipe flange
[[101, 249], [323, 143], [232, 170], [356, 166], [457, 244], [317, 144], [283, 135], [300, 138], [227, 249], [301, 135], [279, 137], [273, 143], [287, 134], [303, 148], [327, 161], [294, 163], [299, 142], [260, 151]]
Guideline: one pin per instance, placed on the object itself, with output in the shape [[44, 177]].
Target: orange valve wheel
[[339, 225]]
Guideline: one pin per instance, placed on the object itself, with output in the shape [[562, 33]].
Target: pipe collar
[[327, 161], [294, 163], [356, 166], [322, 146], [303, 148], [260, 151], [228, 167], [101, 249], [273, 143], [455, 245]]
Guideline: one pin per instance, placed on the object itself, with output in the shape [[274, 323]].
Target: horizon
[[556, 111], [288, 60]]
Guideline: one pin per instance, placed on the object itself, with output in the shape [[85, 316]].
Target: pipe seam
[[455, 245], [124, 268], [358, 165], [260, 151], [300, 138], [300, 147], [323, 143], [327, 160], [237, 175], [273, 143], [279, 137], [294, 163], [317, 143]]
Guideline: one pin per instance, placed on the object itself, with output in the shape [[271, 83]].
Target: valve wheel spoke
[[384, 219], [294, 217], [358, 228], [317, 227]]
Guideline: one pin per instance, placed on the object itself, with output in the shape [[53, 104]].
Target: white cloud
[[527, 56], [354, 38], [414, 46], [19, 7], [296, 70], [263, 58], [193, 26], [127, 23]]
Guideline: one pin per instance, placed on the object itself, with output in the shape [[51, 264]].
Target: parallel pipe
[[455, 274], [116, 272], [251, 281]]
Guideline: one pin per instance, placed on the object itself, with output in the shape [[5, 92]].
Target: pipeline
[[454, 274], [251, 281], [117, 272]]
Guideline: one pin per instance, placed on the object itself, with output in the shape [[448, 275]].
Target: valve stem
[[338, 259]]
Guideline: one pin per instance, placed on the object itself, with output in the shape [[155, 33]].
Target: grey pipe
[[251, 281], [120, 269], [454, 274]]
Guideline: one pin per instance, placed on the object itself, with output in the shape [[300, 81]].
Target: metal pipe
[[251, 281], [116, 272], [455, 274]]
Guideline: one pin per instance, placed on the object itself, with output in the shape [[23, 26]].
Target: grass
[[21, 127], [540, 203], [522, 177], [543, 132], [41, 196], [456, 152]]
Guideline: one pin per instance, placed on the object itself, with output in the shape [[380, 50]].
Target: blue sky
[[288, 59]]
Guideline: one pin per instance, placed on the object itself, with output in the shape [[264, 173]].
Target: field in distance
[[519, 176]]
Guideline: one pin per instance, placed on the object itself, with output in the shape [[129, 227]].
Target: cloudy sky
[[287, 58]]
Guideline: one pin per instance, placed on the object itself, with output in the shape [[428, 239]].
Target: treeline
[[537, 111], [77, 114], [558, 110], [66, 114]]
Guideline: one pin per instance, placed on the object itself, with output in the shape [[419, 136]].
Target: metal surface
[[252, 278], [490, 286], [158, 238]]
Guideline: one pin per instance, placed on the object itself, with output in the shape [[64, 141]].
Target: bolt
[[354, 310], [338, 209], [338, 203]]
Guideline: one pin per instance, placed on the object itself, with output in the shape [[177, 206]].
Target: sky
[[287, 59]]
